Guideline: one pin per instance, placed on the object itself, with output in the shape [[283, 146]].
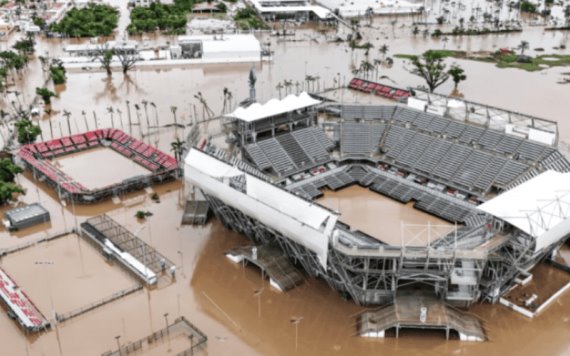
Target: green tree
[[24, 46], [92, 20], [384, 50], [527, 6], [7, 191], [45, 94], [522, 46], [431, 67], [57, 72], [177, 147], [27, 131], [8, 170], [457, 74], [105, 56], [221, 7]]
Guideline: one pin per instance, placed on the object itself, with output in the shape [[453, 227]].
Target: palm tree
[[178, 147], [366, 67], [287, 84], [309, 79], [155, 113], [522, 46], [85, 119], [138, 108], [129, 115], [227, 99], [377, 64], [111, 112], [173, 110], [67, 114], [384, 50], [457, 74], [145, 105], [279, 87]]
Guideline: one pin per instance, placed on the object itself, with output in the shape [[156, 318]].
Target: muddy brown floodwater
[[383, 218], [209, 290], [101, 162]]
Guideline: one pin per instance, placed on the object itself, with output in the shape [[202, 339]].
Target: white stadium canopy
[[302, 221], [540, 207], [274, 107]]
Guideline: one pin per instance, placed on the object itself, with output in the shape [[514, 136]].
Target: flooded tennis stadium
[[311, 198]]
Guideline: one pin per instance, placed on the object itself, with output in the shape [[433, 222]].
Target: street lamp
[[181, 261], [63, 203], [296, 320], [166, 321], [118, 344], [167, 331]]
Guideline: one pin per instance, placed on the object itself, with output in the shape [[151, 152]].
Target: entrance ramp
[[419, 312]]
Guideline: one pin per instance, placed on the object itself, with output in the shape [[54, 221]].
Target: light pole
[[258, 293], [118, 344], [296, 320], [63, 203], [181, 261], [167, 331], [166, 321]]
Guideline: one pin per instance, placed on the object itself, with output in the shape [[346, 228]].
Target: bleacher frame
[[37, 158]]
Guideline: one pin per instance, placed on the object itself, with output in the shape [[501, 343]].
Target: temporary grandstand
[[383, 90], [446, 166], [133, 253], [20, 307], [37, 157]]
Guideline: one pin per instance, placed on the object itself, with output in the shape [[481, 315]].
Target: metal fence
[[72, 314]]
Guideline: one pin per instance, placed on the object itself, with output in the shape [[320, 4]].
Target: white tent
[[274, 107], [540, 207]]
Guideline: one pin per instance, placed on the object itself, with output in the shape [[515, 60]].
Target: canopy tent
[[540, 207], [274, 107]]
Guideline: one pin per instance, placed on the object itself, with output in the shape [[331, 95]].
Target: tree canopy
[[8, 170], [45, 94], [457, 74], [431, 67], [157, 16], [27, 131], [91, 21], [7, 190]]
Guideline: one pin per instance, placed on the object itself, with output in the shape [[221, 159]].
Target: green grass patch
[[507, 60], [441, 52]]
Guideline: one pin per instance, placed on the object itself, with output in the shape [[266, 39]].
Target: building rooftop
[[540, 207], [274, 107], [25, 213]]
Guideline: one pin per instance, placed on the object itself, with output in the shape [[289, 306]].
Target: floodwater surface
[[383, 218], [210, 291], [99, 167]]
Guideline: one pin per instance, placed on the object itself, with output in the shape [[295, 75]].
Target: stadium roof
[[308, 224], [274, 107], [540, 207], [225, 43]]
